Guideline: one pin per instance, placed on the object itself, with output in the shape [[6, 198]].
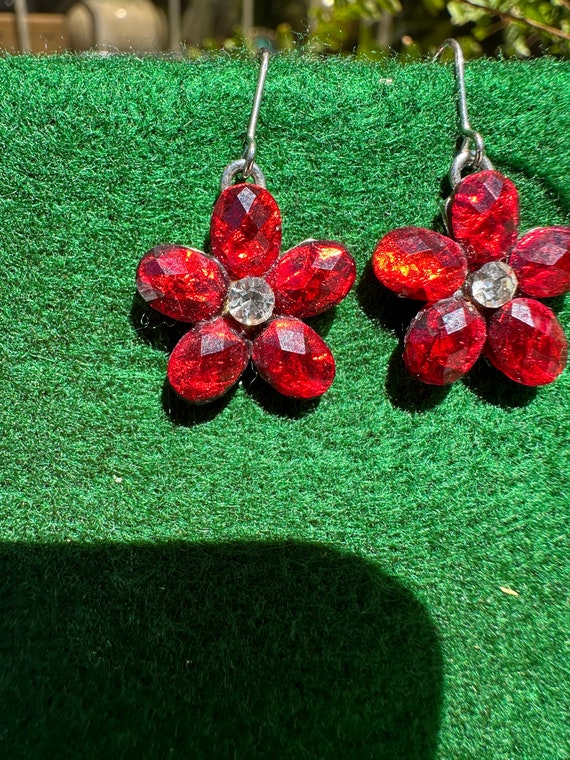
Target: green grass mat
[[262, 578]]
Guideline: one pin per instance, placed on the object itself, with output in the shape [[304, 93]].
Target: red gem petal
[[294, 359], [419, 263], [443, 341], [311, 278], [526, 342], [541, 261], [207, 361], [181, 283], [484, 216], [245, 231]]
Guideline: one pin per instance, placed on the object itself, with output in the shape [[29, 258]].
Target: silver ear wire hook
[[249, 152], [246, 166], [472, 150]]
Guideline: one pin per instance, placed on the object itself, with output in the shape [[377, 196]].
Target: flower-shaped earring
[[481, 285], [245, 302]]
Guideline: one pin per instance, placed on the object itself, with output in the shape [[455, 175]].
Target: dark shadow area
[[556, 303], [392, 313], [238, 650], [407, 393], [383, 306], [180, 412], [322, 322], [440, 220], [272, 401], [492, 386], [153, 328]]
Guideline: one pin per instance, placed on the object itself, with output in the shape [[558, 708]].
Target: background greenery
[[376, 28], [381, 574]]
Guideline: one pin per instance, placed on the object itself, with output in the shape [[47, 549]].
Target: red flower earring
[[244, 302], [481, 283]]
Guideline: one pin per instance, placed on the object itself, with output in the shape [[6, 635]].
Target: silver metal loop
[[237, 168], [467, 158]]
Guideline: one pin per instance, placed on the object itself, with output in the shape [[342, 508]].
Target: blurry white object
[[174, 26], [21, 11], [122, 25], [203, 19], [247, 14]]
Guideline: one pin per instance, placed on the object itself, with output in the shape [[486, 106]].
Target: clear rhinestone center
[[251, 301], [494, 285]]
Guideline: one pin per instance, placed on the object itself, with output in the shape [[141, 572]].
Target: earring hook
[[250, 146], [472, 150], [246, 166]]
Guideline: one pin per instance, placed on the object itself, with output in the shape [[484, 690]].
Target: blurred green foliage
[[520, 28], [409, 28]]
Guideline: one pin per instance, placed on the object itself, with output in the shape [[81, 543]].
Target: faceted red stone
[[419, 263], [293, 359], [541, 261], [311, 277], [484, 216], [245, 232], [444, 341], [526, 342], [181, 283], [207, 361]]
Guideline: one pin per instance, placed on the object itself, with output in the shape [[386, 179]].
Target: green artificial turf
[[261, 577]]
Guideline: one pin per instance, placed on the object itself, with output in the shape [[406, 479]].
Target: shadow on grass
[[273, 402], [408, 393], [153, 328], [493, 387], [392, 313], [242, 650], [382, 306], [182, 413]]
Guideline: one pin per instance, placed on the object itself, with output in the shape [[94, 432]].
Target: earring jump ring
[[238, 167], [467, 158]]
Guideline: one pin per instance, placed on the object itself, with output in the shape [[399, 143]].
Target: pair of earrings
[[247, 303]]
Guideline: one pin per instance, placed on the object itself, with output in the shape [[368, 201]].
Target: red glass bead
[[207, 361], [293, 359], [526, 342], [419, 263], [541, 261], [311, 277], [484, 215], [444, 340], [245, 231], [181, 283]]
